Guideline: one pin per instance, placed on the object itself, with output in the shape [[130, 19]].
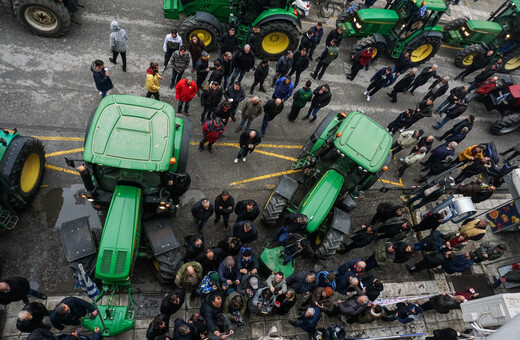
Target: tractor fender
[[9, 160], [341, 221], [160, 235], [294, 21], [424, 34], [379, 38], [286, 187], [210, 19]]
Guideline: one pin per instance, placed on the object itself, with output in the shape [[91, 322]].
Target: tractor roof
[[432, 5], [364, 141], [131, 132]]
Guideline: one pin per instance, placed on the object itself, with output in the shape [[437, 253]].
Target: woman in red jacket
[[361, 59]]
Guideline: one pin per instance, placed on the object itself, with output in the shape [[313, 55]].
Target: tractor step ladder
[[398, 48], [7, 220]]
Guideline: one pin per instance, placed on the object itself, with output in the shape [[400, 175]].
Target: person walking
[[211, 130], [401, 122], [317, 31], [271, 109], [152, 80], [234, 94], [101, 77], [329, 54], [185, 91], [426, 74], [300, 64], [195, 47], [202, 211], [336, 34], [180, 61], [283, 66], [118, 39], [438, 88], [457, 128], [261, 73], [16, 288], [210, 98], [402, 85], [480, 61], [406, 139], [172, 42], [283, 88], [249, 139], [455, 111], [424, 109], [456, 95], [224, 205], [515, 152], [250, 110], [31, 317], [300, 99], [307, 41], [202, 69], [229, 41], [227, 65], [411, 160], [361, 238], [321, 98], [361, 59], [243, 61], [382, 78]]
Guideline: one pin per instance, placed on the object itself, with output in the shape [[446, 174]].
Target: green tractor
[[133, 147], [500, 32], [278, 21], [402, 26], [22, 161], [343, 157]]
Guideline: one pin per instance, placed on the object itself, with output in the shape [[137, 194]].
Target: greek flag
[[351, 7], [423, 10], [87, 285]]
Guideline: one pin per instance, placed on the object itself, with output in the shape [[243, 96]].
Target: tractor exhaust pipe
[[85, 176]]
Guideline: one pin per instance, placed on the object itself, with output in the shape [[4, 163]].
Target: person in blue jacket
[[101, 77], [283, 88], [460, 263], [382, 78], [308, 320]]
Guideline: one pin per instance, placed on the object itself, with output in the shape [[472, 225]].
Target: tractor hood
[[131, 132], [433, 5], [378, 16], [485, 27], [321, 198]]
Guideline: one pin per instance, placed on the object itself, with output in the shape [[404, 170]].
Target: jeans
[[239, 73], [314, 111], [297, 77], [176, 76], [226, 81], [442, 122], [243, 152], [265, 122], [154, 94], [186, 107], [202, 223], [281, 235], [445, 106], [243, 121]]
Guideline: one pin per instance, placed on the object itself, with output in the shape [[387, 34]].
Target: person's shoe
[[438, 138], [263, 134], [502, 153], [201, 148], [457, 77], [262, 89], [42, 296], [305, 118], [235, 161], [410, 269], [164, 69], [319, 77], [244, 159], [436, 126], [186, 113], [368, 98], [389, 94], [112, 61], [401, 159], [393, 101], [233, 119], [412, 94], [210, 149], [216, 220], [365, 93], [237, 129], [310, 58], [251, 91], [313, 76], [312, 120], [349, 77], [223, 136], [124, 68], [192, 297]]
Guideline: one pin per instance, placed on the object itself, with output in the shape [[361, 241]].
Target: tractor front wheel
[[464, 58], [424, 50], [366, 42], [511, 62], [273, 209], [48, 18], [276, 37], [505, 125], [330, 244], [209, 34]]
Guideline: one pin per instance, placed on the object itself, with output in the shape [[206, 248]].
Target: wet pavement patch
[[147, 305]]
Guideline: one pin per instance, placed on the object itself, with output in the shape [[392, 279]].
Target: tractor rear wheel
[[511, 62], [209, 34], [346, 16], [366, 42], [166, 265], [273, 209], [330, 244], [505, 125], [464, 58], [455, 24], [276, 37], [48, 18], [27, 171], [424, 50]]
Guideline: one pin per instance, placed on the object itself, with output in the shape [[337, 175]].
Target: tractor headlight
[[466, 33], [358, 25]]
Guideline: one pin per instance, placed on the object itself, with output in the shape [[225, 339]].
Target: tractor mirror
[[69, 162]]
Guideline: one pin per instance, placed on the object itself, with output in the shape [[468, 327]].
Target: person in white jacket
[[411, 160], [406, 139]]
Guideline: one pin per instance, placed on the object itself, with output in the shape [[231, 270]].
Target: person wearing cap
[[202, 68], [250, 110], [152, 80], [185, 91], [296, 245], [303, 282], [276, 283], [411, 160], [405, 312], [245, 231], [211, 284], [249, 285], [229, 41], [228, 272], [292, 223], [224, 205], [308, 320], [249, 140], [210, 98], [438, 88], [406, 139], [247, 262]]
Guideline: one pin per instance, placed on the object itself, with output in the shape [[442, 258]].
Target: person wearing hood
[[152, 80], [211, 130], [118, 39], [101, 77], [172, 42], [247, 262], [300, 99], [321, 98]]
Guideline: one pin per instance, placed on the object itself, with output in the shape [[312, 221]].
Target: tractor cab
[[415, 15]]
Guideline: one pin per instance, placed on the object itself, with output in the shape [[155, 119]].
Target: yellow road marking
[[64, 152], [452, 47], [272, 154], [279, 146], [73, 139], [59, 168], [400, 184], [276, 174]]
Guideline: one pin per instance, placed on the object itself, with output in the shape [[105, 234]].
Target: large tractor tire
[[276, 37], [455, 24], [505, 125], [304, 151], [166, 265], [511, 62], [209, 34], [464, 58], [273, 209], [346, 16], [48, 18], [26, 174], [330, 244], [424, 50], [366, 42]]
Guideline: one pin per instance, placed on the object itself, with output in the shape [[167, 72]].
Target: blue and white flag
[[351, 7], [423, 10], [87, 285]]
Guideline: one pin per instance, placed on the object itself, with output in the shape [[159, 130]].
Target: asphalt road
[[47, 90]]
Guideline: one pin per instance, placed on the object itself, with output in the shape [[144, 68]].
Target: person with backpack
[[300, 99]]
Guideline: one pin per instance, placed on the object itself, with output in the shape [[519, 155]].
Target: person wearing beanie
[[211, 284], [247, 262], [406, 139]]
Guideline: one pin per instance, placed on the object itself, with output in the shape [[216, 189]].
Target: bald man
[[271, 109], [249, 139]]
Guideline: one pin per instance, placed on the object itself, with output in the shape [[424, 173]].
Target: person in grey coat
[[118, 39], [180, 61], [489, 251]]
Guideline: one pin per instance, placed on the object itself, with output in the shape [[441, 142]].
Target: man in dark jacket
[[360, 239], [483, 194], [228, 272], [247, 210], [316, 37], [283, 66], [402, 85], [300, 99], [101, 77], [183, 330], [210, 98], [31, 317], [353, 305], [69, 312], [402, 65], [243, 61], [439, 153], [245, 231], [292, 223], [393, 227], [436, 241], [307, 41], [227, 65], [401, 122], [459, 108], [308, 320], [387, 210], [437, 168], [236, 94], [429, 222], [480, 61], [482, 76], [372, 287], [321, 98], [336, 34], [217, 72], [16, 288], [212, 311], [224, 205], [271, 109], [460, 263], [249, 139], [438, 88], [252, 38], [202, 69], [424, 109], [300, 64], [247, 262], [210, 259], [329, 54], [303, 282], [456, 95], [443, 303], [468, 122], [202, 211], [172, 302], [261, 73], [229, 42], [431, 261], [426, 74], [382, 78], [477, 166]]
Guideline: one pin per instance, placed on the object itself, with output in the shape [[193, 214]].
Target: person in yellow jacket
[[152, 80], [473, 229], [469, 154]]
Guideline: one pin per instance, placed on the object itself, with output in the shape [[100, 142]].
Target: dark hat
[[246, 252], [214, 277], [217, 120], [232, 29], [205, 54], [421, 132]]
